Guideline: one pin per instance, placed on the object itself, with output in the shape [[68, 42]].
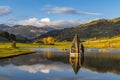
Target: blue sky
[[19, 11]]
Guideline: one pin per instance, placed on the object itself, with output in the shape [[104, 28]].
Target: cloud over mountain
[[4, 10], [35, 22], [67, 10], [47, 22]]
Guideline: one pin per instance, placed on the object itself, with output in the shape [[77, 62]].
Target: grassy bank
[[6, 51], [103, 43], [10, 52]]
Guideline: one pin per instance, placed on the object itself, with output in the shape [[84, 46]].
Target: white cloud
[[4, 10], [34, 22], [67, 10], [47, 22]]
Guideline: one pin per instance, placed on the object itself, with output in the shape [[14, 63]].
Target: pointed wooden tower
[[75, 45], [76, 54]]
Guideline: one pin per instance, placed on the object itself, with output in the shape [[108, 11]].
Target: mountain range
[[26, 31], [94, 29], [101, 28]]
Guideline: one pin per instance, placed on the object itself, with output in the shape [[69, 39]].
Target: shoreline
[[23, 51], [15, 55], [10, 52]]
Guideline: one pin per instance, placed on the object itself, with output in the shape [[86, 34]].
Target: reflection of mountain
[[41, 62], [46, 61], [40, 57]]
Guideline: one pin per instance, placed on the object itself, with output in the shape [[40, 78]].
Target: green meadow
[[6, 51], [91, 43], [37, 45]]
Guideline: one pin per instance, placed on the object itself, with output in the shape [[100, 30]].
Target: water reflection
[[102, 62], [95, 62], [46, 65], [75, 62]]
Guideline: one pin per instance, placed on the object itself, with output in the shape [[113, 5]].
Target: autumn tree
[[44, 40], [48, 40]]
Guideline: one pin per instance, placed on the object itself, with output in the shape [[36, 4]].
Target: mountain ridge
[[94, 29], [27, 31]]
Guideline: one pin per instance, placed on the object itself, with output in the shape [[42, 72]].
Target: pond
[[54, 64]]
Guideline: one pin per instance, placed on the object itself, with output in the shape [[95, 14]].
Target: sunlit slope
[[96, 29], [113, 42]]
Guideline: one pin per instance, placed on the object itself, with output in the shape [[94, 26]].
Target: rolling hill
[[95, 29]]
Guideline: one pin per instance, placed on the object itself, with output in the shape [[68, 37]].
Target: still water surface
[[53, 64]]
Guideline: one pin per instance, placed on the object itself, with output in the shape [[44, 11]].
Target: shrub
[[48, 40]]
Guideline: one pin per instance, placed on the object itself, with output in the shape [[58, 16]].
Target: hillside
[[95, 29], [4, 36], [3, 26]]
